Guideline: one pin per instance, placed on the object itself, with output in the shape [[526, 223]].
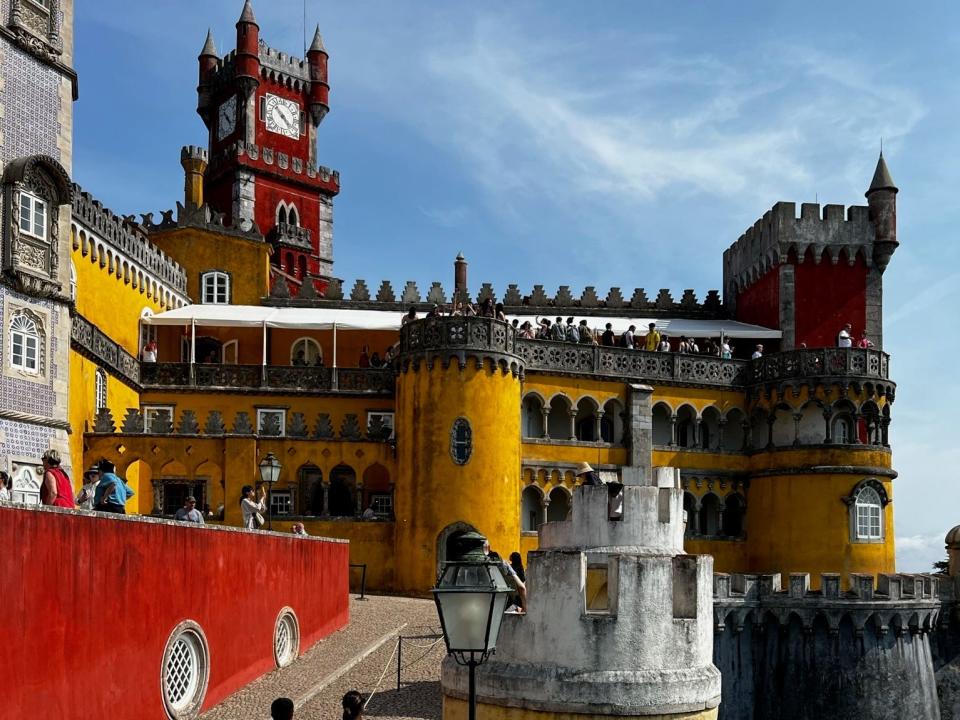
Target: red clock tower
[[262, 109]]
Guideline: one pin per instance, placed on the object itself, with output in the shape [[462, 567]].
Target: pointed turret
[[881, 178], [209, 47], [882, 199], [246, 15], [208, 61], [317, 43], [248, 51], [319, 88]]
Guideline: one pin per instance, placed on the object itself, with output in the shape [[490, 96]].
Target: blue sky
[[608, 144]]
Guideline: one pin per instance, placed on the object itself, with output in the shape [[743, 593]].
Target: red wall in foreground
[[827, 297], [89, 602]]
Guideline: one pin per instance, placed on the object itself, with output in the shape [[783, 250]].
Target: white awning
[[314, 318]]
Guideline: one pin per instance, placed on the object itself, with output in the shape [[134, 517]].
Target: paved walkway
[[361, 657]]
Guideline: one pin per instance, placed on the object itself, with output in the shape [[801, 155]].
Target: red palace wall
[[759, 304], [827, 297], [90, 601]]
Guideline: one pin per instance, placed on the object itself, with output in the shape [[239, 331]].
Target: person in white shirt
[[758, 353], [845, 337], [91, 478], [664, 344], [5, 494], [251, 505], [150, 352], [369, 513]]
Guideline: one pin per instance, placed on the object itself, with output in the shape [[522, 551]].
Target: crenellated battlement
[[193, 152], [828, 232], [899, 601], [120, 234], [612, 304], [203, 218]]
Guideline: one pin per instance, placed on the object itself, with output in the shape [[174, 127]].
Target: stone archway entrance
[[446, 539]]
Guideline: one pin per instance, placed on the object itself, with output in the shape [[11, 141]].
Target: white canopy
[[314, 318]]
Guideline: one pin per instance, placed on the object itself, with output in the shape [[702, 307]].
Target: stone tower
[[619, 620], [37, 88], [262, 109], [458, 390]]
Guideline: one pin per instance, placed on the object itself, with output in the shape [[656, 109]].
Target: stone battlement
[[203, 217], [90, 214], [193, 152], [826, 231], [275, 65], [904, 601], [613, 304]]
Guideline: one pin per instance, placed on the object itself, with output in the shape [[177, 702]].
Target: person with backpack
[[585, 337], [626, 340]]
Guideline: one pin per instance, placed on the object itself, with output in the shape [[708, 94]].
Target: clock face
[[282, 116], [227, 118]]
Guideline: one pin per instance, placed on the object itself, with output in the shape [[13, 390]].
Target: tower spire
[[246, 16], [317, 44], [209, 47], [881, 178]]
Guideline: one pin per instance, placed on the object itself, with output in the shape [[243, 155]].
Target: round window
[[185, 671], [286, 638]]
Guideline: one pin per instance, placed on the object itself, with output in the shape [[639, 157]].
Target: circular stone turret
[[458, 441]]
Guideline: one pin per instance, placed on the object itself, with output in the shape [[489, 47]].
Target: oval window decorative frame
[[461, 441]]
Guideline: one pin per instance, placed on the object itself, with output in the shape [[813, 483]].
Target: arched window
[[532, 419], [558, 421], [292, 217], [733, 516], [302, 266], [661, 424], [869, 514], [73, 281], [306, 351], [690, 507], [25, 348], [461, 441], [531, 512], [586, 429], [215, 288], [281, 214], [709, 515], [100, 389], [343, 486], [686, 427], [842, 430], [311, 490], [559, 505], [611, 424], [33, 215]]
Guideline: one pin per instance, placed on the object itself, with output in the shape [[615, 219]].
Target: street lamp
[[269, 474], [471, 595]]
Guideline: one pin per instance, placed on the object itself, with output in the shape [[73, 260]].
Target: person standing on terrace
[[608, 339], [845, 336], [56, 488], [652, 341]]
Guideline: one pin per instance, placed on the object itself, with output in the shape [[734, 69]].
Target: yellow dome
[[953, 537]]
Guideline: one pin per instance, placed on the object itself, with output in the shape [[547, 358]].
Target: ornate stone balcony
[[458, 337], [165, 376], [857, 367], [291, 235]]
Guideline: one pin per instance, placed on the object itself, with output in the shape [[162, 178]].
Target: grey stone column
[[326, 498], [573, 424], [770, 421], [359, 500], [546, 421], [797, 417], [639, 430], [544, 506], [827, 414], [698, 433], [673, 431], [721, 424], [598, 420]]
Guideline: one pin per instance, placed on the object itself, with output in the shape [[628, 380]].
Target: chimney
[[460, 279]]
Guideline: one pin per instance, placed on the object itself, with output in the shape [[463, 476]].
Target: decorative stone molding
[[104, 421], [372, 381], [87, 339], [323, 429], [460, 338]]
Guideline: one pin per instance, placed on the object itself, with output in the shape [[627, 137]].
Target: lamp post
[[269, 474], [471, 595]]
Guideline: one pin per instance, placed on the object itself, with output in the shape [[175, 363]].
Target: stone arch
[[691, 508], [870, 415], [783, 433], [531, 508], [709, 518], [311, 349], [843, 423], [709, 428], [759, 430], [559, 506], [446, 539], [376, 481], [311, 491], [734, 515], [558, 421], [586, 423], [686, 426], [662, 424], [210, 475], [734, 432], [531, 411], [343, 491], [612, 422]]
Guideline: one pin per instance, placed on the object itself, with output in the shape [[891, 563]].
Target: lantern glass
[[471, 598], [270, 469]]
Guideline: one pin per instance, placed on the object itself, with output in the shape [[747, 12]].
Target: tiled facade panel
[[23, 440], [30, 96]]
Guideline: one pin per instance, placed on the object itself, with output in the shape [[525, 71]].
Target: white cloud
[[917, 553]]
